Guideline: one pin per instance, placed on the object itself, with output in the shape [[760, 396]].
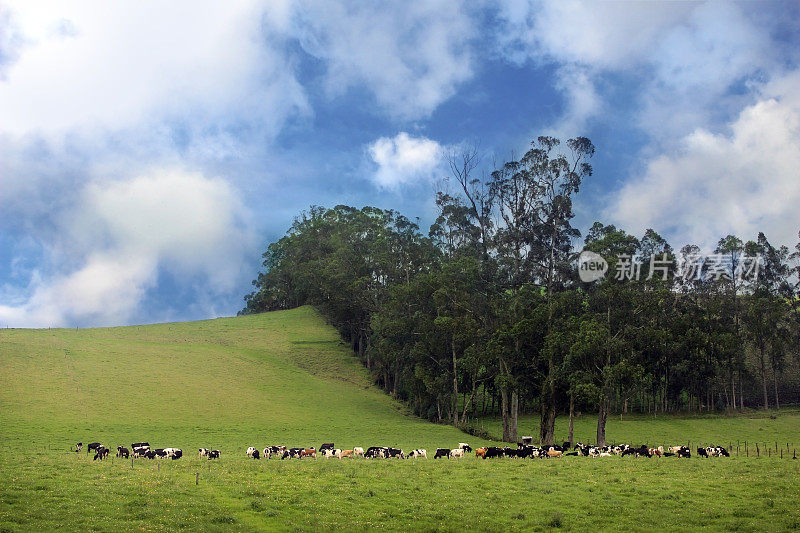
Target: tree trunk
[[764, 379], [571, 421], [512, 426], [775, 384], [504, 409], [602, 415], [455, 383]]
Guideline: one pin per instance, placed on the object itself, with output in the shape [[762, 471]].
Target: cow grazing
[[266, 453], [358, 451], [346, 453], [92, 447], [326, 446], [657, 452], [140, 452], [173, 453], [140, 445], [464, 446], [252, 452], [101, 452], [480, 452], [213, 454], [419, 453], [458, 453], [395, 453], [441, 452], [702, 452], [292, 453], [493, 451], [309, 452], [78, 447], [123, 452], [203, 452], [376, 451]]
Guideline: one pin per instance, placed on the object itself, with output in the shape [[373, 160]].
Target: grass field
[[284, 378]]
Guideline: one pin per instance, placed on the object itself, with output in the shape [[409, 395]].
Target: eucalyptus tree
[[534, 200]]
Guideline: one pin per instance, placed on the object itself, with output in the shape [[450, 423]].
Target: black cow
[[92, 446], [326, 446], [442, 452], [213, 454], [493, 451], [123, 452], [702, 452]]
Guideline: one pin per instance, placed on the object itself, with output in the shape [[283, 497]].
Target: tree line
[[487, 314]]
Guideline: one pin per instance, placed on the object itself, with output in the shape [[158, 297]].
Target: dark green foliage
[[486, 314]]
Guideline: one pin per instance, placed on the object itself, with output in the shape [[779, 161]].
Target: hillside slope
[[284, 378], [279, 377]]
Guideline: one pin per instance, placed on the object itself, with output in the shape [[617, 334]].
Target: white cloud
[[404, 160], [120, 235], [92, 65], [742, 181], [410, 55], [680, 58]]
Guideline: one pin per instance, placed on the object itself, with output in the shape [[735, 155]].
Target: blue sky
[[148, 153]]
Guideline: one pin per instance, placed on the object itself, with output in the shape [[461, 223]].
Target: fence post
[[758, 452], [197, 478]]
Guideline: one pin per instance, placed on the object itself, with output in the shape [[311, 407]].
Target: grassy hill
[[284, 378], [272, 378]]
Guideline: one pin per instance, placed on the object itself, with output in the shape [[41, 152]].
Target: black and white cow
[[78, 447], [101, 452], [252, 453], [92, 447], [376, 451], [203, 452], [395, 453], [213, 454], [124, 453], [418, 453], [464, 446], [293, 453], [326, 446]]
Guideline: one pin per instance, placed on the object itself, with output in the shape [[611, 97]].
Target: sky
[[150, 151]]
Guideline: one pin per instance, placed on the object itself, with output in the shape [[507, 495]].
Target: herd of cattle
[[328, 450], [138, 449]]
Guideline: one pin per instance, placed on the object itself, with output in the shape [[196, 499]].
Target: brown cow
[[480, 452], [346, 453], [554, 453], [309, 452]]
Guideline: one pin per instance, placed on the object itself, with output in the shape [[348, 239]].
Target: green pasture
[[284, 378]]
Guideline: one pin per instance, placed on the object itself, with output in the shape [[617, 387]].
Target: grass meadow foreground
[[284, 378]]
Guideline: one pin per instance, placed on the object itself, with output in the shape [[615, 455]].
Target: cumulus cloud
[[410, 55], [107, 65], [404, 160], [741, 181], [683, 57], [119, 235]]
